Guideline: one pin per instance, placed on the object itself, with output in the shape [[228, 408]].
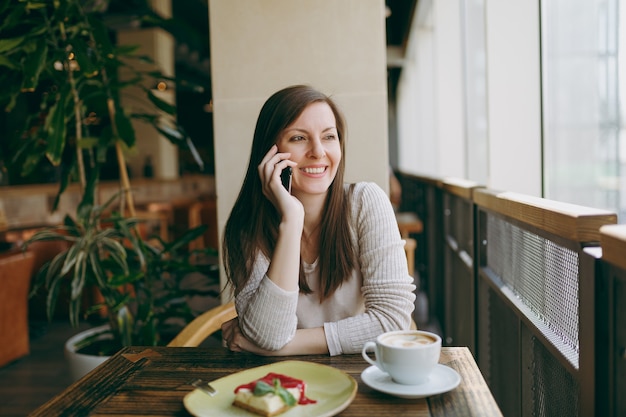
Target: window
[[583, 131], [475, 80]]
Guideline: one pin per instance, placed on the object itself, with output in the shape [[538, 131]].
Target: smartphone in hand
[[285, 178]]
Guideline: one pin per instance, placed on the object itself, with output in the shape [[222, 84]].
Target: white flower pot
[[79, 363]]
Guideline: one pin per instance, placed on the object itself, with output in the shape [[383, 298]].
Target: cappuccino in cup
[[408, 356], [407, 339]]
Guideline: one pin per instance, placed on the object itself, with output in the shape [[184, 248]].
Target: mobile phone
[[285, 178]]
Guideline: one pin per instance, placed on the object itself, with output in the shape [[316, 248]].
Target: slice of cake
[[271, 395]]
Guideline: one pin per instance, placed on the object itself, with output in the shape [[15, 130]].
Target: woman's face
[[313, 141]]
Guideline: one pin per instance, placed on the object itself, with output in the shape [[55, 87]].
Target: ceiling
[[194, 16]]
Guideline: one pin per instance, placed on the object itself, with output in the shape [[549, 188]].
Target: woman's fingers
[[270, 169], [235, 341], [228, 330], [232, 338]]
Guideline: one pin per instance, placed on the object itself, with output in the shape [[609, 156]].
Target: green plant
[[60, 59], [139, 280]]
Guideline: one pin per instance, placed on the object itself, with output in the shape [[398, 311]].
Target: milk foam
[[408, 340]]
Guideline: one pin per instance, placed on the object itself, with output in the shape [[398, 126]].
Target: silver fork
[[204, 386]]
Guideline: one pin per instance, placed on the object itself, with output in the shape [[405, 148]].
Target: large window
[[475, 85], [543, 92], [583, 130]]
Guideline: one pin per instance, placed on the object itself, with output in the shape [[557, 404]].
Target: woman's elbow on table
[[268, 337]]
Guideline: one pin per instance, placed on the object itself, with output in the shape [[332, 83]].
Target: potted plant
[[140, 281], [61, 56]]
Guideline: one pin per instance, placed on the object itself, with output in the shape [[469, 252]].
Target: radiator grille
[[542, 274], [555, 391]]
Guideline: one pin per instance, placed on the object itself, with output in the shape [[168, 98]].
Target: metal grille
[[500, 353], [620, 344], [555, 391], [542, 275]]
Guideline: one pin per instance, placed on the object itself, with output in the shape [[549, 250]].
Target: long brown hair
[[253, 223]]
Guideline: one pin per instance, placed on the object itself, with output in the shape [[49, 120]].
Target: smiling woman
[[327, 269]]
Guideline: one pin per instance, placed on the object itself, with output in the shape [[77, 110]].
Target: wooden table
[[154, 380]]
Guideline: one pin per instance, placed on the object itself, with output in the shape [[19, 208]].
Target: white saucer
[[442, 379]]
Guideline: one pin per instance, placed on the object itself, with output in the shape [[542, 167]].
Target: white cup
[[408, 356]]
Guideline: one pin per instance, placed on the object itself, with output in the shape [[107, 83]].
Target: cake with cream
[[271, 395]]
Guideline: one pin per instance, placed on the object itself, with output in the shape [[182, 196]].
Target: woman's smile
[[314, 170]]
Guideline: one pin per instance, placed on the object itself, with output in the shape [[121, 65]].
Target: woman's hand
[[284, 268], [234, 340], [270, 169]]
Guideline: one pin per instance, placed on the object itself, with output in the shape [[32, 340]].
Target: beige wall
[[261, 46]]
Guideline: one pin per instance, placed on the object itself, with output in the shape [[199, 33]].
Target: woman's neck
[[313, 208]]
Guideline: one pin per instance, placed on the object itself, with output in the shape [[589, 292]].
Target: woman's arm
[[267, 303], [284, 269], [305, 342], [387, 288]]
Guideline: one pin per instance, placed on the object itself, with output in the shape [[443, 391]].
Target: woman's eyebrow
[[298, 129]]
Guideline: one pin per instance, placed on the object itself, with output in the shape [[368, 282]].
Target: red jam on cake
[[271, 395]]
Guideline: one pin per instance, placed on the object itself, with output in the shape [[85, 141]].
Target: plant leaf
[[116, 251], [33, 65], [161, 104], [125, 128], [261, 388], [80, 276], [57, 129], [119, 280], [10, 44], [96, 267], [101, 35], [287, 397], [125, 323], [70, 259], [6, 62], [52, 296], [54, 267], [75, 307], [87, 66]]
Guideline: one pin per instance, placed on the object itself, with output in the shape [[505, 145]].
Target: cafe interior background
[[519, 96]]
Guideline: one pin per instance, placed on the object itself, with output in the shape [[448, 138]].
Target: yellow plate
[[333, 390]]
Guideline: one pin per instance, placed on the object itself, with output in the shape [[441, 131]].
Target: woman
[[321, 269]]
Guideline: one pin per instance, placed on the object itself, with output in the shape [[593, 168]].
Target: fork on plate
[[203, 386]]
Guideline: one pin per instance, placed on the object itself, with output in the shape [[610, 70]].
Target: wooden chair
[[409, 222], [204, 325], [204, 212], [409, 249]]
